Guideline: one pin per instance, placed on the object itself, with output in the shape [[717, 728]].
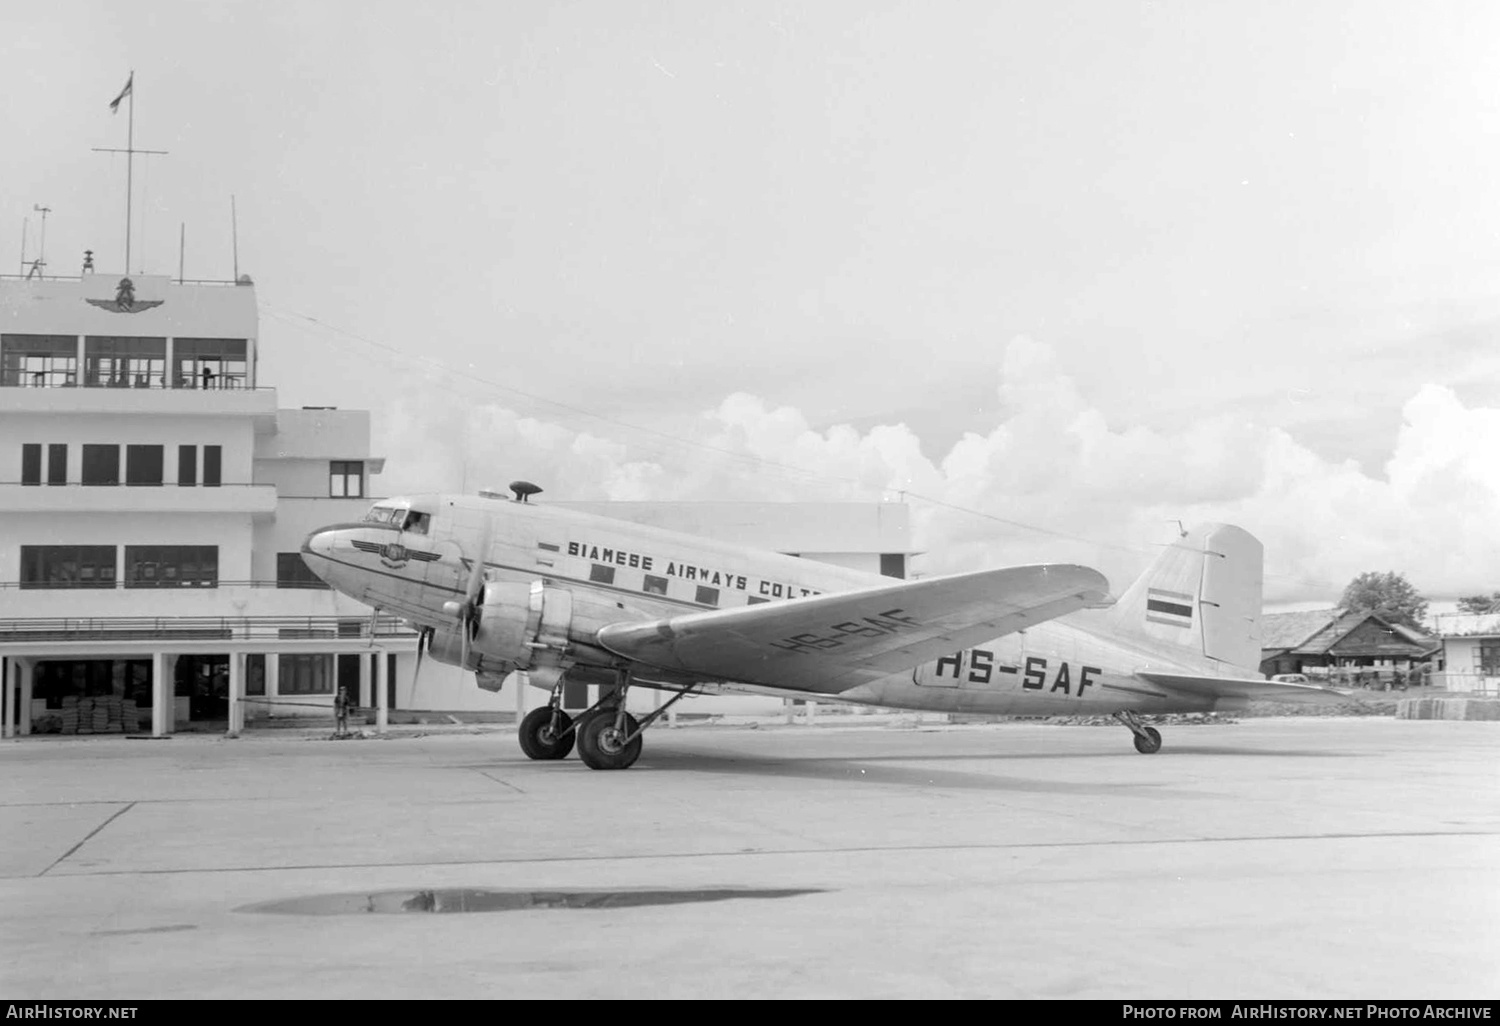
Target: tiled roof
[[1329, 636], [1289, 630]]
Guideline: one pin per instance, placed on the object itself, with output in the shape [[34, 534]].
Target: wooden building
[[1328, 643]]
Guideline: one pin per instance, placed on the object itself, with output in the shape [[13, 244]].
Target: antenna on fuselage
[[524, 489]]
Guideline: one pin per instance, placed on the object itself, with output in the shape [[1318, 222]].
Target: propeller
[[467, 611], [424, 639]]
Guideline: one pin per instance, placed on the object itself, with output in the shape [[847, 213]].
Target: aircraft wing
[[829, 643], [1246, 689]]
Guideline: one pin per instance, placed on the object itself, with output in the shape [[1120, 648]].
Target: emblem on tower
[[125, 301]]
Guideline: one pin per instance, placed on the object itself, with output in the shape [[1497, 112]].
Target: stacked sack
[[69, 715]]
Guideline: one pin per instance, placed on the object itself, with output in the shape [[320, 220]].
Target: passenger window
[[655, 585], [708, 596], [600, 574]]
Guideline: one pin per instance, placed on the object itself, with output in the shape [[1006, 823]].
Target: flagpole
[[129, 168]]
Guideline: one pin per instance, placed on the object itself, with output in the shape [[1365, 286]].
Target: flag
[[114, 105]]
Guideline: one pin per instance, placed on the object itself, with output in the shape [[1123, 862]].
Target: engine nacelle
[[518, 627]]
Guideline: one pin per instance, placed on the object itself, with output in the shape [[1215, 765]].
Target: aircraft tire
[[536, 735], [599, 743], [1150, 744]]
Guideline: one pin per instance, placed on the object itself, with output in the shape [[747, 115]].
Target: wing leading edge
[[829, 643]]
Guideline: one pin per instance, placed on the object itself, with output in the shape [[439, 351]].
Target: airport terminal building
[[153, 502]]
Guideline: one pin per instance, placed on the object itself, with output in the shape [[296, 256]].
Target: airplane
[[501, 585]]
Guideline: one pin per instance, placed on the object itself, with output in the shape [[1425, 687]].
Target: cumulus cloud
[[1054, 479]]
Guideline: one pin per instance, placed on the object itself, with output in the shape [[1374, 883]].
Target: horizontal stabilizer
[[1247, 690]]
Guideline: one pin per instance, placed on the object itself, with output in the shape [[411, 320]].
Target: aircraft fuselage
[[417, 565]]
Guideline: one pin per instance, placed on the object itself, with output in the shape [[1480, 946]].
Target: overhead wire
[[295, 320]]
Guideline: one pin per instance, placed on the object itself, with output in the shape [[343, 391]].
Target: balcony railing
[[232, 382], [39, 276], [201, 628], [159, 585]]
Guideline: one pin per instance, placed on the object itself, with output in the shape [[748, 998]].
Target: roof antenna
[[1181, 531], [523, 489], [39, 265], [234, 233]]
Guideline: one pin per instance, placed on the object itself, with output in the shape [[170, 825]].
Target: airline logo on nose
[[394, 555]]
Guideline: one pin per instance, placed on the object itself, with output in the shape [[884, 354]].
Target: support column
[[5, 713], [812, 712], [381, 676], [362, 697], [789, 711], [236, 694], [28, 683], [163, 697], [273, 682]]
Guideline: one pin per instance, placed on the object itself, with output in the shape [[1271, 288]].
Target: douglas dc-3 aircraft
[[499, 585]]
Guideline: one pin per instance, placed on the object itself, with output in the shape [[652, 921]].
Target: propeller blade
[[424, 638], [470, 613]]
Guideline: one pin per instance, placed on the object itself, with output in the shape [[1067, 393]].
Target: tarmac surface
[[1338, 858]]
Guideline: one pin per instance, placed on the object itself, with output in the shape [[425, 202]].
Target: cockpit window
[[417, 523], [384, 515]]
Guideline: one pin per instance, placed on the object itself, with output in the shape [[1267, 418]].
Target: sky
[[1058, 274]]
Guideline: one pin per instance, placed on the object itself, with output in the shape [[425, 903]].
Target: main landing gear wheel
[[602, 745], [542, 739], [1149, 742]]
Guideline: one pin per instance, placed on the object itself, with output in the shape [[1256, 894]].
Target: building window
[[171, 566], [893, 564], [292, 572], [67, 566], [42, 361], [101, 464], [1489, 658], [304, 675], [601, 574], [143, 464], [708, 596], [124, 362], [346, 479], [213, 460], [255, 674], [57, 464], [210, 363], [187, 465], [31, 463], [655, 585]]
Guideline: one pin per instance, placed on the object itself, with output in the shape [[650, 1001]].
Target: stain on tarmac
[[467, 900]]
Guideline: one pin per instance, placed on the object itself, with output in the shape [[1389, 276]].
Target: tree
[[1480, 604], [1388, 595]]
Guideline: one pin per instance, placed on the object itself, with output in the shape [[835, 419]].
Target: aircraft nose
[[317, 551]]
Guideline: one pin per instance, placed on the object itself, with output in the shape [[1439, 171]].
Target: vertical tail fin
[[1203, 593]]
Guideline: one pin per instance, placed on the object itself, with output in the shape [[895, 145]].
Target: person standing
[[341, 703]]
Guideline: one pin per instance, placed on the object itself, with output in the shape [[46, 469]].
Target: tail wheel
[[1149, 744], [540, 740], [602, 745]]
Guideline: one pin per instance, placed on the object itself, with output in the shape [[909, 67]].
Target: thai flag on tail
[[1169, 607]]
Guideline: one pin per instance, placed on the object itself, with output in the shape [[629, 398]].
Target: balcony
[[60, 398], [243, 610], [166, 498]]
